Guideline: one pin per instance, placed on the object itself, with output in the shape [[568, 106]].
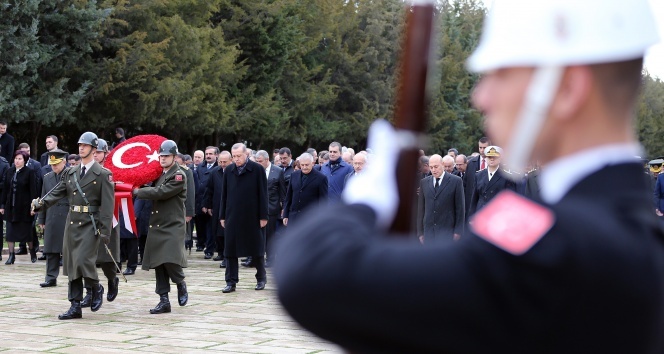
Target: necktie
[[482, 166], [437, 183], [490, 175], [82, 172], [209, 166]]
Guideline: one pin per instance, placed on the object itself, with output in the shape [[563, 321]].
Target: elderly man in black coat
[[243, 214]]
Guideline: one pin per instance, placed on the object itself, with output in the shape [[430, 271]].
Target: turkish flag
[[136, 160]]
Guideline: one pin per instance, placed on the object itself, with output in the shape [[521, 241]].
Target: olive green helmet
[[89, 138], [168, 147], [102, 145]]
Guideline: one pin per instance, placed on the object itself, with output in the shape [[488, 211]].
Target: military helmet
[[102, 145], [89, 138], [168, 147]]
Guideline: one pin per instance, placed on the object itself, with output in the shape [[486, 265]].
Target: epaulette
[[533, 170], [184, 168], [506, 171], [478, 171], [104, 168], [48, 173]]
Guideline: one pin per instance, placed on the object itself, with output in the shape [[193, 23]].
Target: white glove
[[376, 186]]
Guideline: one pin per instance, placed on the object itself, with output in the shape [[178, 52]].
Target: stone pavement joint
[[246, 321]]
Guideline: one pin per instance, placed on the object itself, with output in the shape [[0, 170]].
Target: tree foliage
[[271, 73]]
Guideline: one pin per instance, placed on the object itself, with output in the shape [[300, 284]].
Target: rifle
[[410, 111]]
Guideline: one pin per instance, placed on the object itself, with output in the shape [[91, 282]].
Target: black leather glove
[[105, 238]]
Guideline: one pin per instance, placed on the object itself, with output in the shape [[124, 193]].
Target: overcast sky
[[654, 62]]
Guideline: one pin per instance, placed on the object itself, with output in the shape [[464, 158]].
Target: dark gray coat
[[243, 205], [441, 211], [53, 218]]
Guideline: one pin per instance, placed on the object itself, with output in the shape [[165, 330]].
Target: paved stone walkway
[[246, 321]]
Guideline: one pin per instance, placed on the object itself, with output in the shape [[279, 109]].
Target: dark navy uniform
[[486, 189], [593, 282]]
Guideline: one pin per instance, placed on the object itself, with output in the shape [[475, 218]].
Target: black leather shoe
[[217, 258], [73, 312], [200, 248], [183, 295], [208, 256], [33, 256], [41, 258], [97, 297], [129, 271], [228, 289], [112, 289], [22, 251], [260, 285], [87, 300], [223, 264], [48, 284], [163, 306]]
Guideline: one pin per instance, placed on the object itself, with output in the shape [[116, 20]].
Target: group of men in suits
[[455, 189]]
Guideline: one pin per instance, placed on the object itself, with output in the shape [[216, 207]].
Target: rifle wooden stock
[[411, 106]]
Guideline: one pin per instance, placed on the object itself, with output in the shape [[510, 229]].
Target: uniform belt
[[84, 208]]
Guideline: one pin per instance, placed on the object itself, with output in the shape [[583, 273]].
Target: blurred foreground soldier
[[52, 220], [490, 181], [164, 251], [89, 189], [581, 273]]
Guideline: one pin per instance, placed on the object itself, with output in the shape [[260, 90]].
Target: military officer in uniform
[[490, 181], [581, 272], [52, 220], [103, 259], [90, 191], [164, 251]]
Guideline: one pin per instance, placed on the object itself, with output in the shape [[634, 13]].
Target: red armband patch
[[512, 222], [178, 178], [110, 178]]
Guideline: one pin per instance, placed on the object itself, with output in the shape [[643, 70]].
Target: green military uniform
[[164, 245], [81, 240]]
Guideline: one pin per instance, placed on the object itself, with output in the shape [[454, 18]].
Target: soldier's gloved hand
[[376, 186], [35, 204], [105, 238]]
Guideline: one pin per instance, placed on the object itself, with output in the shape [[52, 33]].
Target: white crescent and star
[[117, 156]]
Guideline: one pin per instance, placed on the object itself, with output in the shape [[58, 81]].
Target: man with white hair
[[580, 273], [308, 188], [359, 161]]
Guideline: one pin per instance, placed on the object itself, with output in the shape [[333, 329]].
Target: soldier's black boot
[[112, 289], [73, 312], [183, 295], [97, 297], [87, 300], [163, 306], [11, 259]]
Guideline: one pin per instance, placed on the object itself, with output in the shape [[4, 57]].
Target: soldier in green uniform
[[89, 188], [164, 251], [104, 260]]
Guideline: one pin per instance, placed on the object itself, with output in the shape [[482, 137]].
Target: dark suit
[[603, 260], [441, 211], [203, 228], [212, 201], [474, 164], [276, 193], [486, 189], [301, 196], [7, 146], [532, 189]]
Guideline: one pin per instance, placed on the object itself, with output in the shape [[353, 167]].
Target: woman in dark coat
[[19, 190]]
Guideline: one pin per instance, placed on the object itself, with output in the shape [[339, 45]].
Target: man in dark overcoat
[[243, 213], [440, 205], [164, 251], [276, 192], [52, 220], [212, 201], [307, 189], [90, 191]]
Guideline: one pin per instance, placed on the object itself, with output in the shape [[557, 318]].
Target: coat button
[[157, 225], [79, 223], [72, 222], [157, 213], [150, 226], [74, 193], [152, 212]]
